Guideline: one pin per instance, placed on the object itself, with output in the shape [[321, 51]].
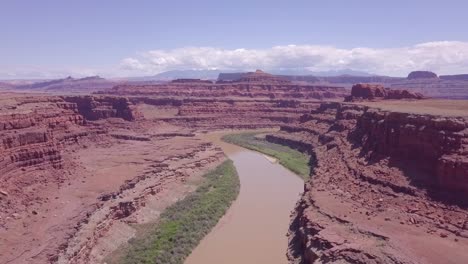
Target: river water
[[254, 228]]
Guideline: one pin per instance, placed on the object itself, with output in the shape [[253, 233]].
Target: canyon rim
[[183, 132]]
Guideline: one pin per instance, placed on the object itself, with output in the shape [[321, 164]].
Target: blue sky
[[51, 38]]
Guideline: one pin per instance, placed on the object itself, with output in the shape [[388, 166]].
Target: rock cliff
[[76, 172], [380, 175], [251, 85], [45, 120], [378, 92], [221, 113], [101, 107], [35, 131], [422, 75]]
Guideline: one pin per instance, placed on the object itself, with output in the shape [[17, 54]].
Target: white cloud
[[132, 64], [444, 57]]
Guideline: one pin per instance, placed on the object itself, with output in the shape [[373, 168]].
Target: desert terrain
[[388, 184]]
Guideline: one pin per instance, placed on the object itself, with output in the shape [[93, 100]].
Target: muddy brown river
[[254, 228]]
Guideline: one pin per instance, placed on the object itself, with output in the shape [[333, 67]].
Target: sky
[[57, 38]]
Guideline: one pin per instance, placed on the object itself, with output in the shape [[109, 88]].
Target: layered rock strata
[[360, 92], [101, 107], [137, 201], [387, 187], [251, 85], [78, 171], [72, 167], [209, 114]]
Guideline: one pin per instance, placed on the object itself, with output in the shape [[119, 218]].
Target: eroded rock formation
[[388, 187], [378, 92], [102, 107], [214, 113], [260, 76], [252, 85], [77, 171], [60, 155], [422, 75]]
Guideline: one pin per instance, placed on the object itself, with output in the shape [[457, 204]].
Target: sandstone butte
[[422, 75], [389, 182], [378, 92]]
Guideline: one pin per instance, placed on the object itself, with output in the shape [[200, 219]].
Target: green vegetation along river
[[292, 159], [254, 228], [182, 225]]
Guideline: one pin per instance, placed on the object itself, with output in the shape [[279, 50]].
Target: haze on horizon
[[54, 39]]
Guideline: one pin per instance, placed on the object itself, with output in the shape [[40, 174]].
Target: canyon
[[428, 83], [253, 85], [243, 227], [77, 168], [424, 82], [388, 186], [389, 179]]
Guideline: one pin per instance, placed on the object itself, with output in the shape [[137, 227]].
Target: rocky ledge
[[253, 85], [73, 167], [386, 187], [363, 92]]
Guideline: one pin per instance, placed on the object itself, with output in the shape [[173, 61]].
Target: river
[[254, 228]]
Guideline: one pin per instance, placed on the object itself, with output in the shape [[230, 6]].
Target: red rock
[[405, 159], [102, 107], [422, 75], [251, 85], [378, 92]]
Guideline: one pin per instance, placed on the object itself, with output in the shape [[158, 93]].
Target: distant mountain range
[[428, 83], [70, 84], [332, 73], [180, 74], [213, 74], [6, 85]]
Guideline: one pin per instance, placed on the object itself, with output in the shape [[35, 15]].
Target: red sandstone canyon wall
[[378, 92], [377, 175]]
